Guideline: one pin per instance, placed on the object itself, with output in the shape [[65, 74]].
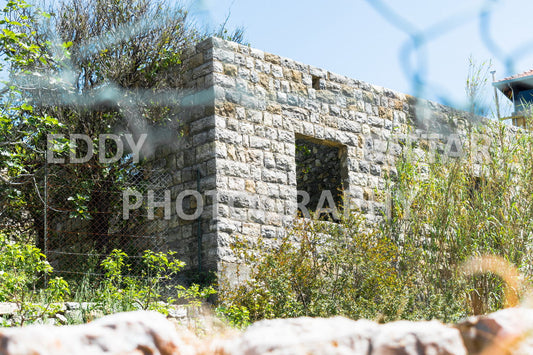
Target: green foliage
[[469, 206], [23, 274], [320, 269], [123, 291], [22, 128], [444, 212], [25, 280], [55, 69], [87, 67], [236, 316], [194, 294]]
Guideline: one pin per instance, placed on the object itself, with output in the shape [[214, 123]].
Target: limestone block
[[285, 136], [274, 176], [122, 333], [262, 67], [202, 124], [292, 99], [224, 81], [269, 161], [504, 332], [272, 58], [259, 143], [246, 128], [284, 162], [228, 136], [240, 59], [252, 101], [282, 97], [236, 184], [223, 55], [245, 73], [405, 337], [321, 73], [221, 150], [256, 53], [277, 71], [269, 231], [257, 216], [254, 116]]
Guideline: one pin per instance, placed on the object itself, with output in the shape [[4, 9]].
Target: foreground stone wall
[[243, 113], [504, 332]]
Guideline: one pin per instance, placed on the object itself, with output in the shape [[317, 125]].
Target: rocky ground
[[504, 332]]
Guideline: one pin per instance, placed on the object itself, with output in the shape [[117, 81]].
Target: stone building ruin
[[246, 113]]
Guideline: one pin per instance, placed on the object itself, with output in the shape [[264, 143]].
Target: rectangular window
[[319, 175]]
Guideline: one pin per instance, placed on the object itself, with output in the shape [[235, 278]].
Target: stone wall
[[244, 110], [507, 331], [191, 160]]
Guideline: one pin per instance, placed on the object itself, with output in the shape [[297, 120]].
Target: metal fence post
[[45, 234]]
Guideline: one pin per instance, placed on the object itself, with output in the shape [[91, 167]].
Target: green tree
[[22, 128], [87, 67]]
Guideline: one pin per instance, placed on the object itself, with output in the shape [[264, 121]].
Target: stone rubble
[[137, 332], [504, 332], [507, 331], [341, 336]]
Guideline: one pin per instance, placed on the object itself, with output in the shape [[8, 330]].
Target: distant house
[[519, 89]]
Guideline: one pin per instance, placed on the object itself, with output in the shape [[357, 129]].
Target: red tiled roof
[[517, 76]]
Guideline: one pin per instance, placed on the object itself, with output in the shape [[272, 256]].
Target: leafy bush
[[236, 316], [24, 272], [152, 289], [25, 279], [321, 269]]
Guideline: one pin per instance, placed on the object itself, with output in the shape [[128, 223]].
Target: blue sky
[[366, 39], [372, 40]]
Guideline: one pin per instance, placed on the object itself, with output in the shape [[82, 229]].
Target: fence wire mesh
[[75, 213], [85, 217], [415, 60]]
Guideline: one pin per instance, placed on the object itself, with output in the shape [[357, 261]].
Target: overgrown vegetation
[[444, 211], [319, 269], [24, 280], [86, 67], [120, 291], [25, 277]]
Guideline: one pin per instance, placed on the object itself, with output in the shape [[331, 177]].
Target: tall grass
[[465, 207], [423, 260]]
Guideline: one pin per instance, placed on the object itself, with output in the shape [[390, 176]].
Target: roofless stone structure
[[257, 128]]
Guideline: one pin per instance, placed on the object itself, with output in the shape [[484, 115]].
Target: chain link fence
[[415, 60], [75, 213], [85, 216]]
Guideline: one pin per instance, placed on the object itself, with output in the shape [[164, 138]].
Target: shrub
[[450, 210], [236, 316], [320, 269], [24, 280], [152, 289]]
